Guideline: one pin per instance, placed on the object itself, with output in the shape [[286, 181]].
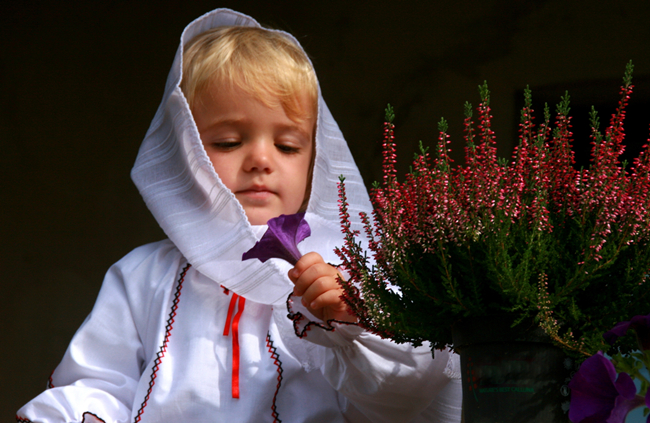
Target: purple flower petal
[[281, 239], [597, 394], [627, 401], [592, 389], [639, 324], [616, 332], [625, 386]]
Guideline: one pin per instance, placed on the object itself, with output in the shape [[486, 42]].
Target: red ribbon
[[235, 338]]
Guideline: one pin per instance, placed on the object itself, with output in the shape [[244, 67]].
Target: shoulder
[[147, 269], [161, 255], [143, 279]]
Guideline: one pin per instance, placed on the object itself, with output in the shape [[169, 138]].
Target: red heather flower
[[597, 395], [639, 324], [281, 239]]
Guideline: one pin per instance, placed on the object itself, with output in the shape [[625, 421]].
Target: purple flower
[[639, 324], [597, 395], [281, 239]]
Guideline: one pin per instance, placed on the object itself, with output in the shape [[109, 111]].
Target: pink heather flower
[[281, 239], [598, 395]]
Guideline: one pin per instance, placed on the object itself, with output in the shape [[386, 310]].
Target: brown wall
[[80, 81]]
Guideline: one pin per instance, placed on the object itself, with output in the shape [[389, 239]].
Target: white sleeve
[[98, 375], [389, 382]]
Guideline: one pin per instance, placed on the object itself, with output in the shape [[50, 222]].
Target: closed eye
[[287, 148], [225, 145]]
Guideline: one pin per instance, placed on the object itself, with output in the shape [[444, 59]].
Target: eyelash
[[287, 148], [226, 145], [231, 145]]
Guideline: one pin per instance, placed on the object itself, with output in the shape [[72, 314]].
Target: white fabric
[[153, 348], [155, 322]]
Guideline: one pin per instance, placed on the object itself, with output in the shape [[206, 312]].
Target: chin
[[260, 219]]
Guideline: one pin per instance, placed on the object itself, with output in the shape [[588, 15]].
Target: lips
[[256, 188], [256, 192]]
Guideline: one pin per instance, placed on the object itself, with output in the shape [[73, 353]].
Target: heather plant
[[532, 237]]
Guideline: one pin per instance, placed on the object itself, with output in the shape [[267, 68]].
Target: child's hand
[[316, 282]]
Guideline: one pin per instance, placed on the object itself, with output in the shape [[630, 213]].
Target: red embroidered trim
[[235, 338], [50, 385], [83, 417], [277, 362], [297, 317], [92, 414], [163, 347]]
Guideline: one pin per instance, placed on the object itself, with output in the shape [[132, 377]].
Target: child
[[183, 329]]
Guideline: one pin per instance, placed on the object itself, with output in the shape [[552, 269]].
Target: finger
[[303, 264], [330, 306], [311, 275], [330, 298], [317, 288]]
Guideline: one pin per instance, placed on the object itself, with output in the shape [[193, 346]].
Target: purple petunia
[[281, 239], [597, 395], [639, 324]]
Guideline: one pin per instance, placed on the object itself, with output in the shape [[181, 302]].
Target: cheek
[[302, 178], [224, 169]]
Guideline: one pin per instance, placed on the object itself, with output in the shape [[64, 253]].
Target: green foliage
[[390, 115], [530, 238]]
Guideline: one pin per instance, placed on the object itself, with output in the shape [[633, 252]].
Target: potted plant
[[530, 249]]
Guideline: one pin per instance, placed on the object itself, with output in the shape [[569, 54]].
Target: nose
[[259, 157]]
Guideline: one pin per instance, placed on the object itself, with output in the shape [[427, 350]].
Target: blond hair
[[266, 64]]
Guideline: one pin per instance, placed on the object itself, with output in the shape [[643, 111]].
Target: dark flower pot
[[511, 375]]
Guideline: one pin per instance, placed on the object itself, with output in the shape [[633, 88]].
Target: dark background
[[80, 82]]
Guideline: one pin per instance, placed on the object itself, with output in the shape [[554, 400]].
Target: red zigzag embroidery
[[276, 360], [163, 348]]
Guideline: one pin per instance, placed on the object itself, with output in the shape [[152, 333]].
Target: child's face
[[260, 154]]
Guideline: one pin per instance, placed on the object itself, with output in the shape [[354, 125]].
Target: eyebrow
[[227, 121]]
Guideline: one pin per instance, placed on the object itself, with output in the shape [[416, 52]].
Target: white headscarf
[[204, 219]]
